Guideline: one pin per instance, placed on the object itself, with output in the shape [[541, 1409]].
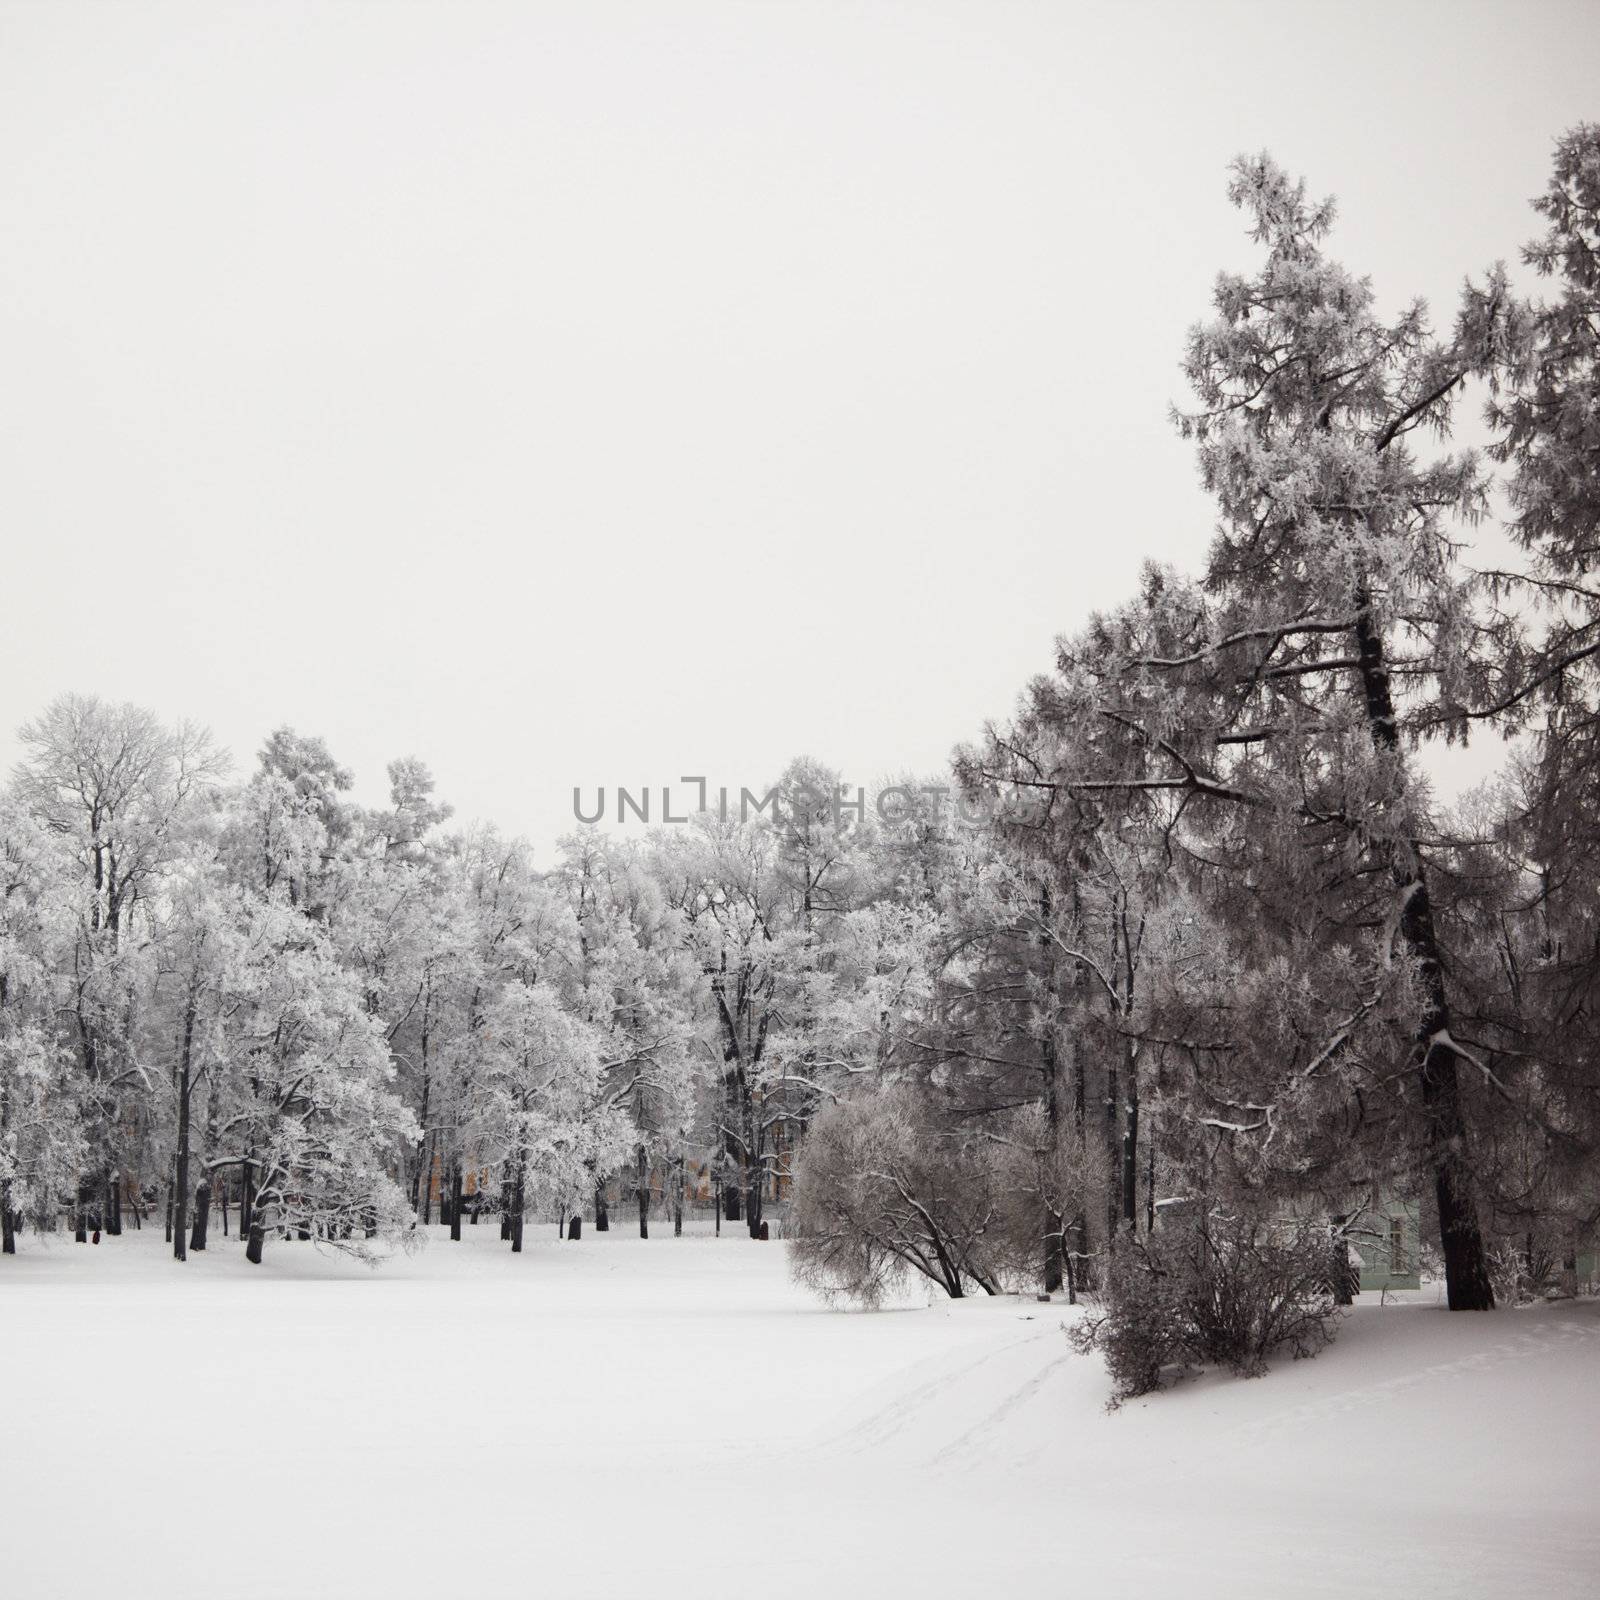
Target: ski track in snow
[[915, 1403]]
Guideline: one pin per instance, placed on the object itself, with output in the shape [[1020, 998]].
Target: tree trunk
[[8, 1223], [1339, 1273], [1113, 1154], [642, 1184], [202, 1215], [949, 1276], [1055, 1230], [677, 1200], [257, 1236], [755, 1169], [1077, 1253], [1466, 1263], [455, 1201], [1130, 1139], [424, 1177], [753, 1197], [517, 1202], [180, 1184], [1150, 1182], [602, 1217], [420, 1184]]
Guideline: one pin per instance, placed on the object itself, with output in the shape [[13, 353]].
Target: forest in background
[[1204, 942]]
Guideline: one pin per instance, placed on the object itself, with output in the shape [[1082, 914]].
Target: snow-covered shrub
[[1214, 1290], [882, 1190], [1524, 1271], [1139, 1320]]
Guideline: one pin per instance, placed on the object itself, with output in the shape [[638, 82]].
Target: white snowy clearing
[[615, 1417]]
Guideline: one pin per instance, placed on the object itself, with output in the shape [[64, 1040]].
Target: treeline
[[1202, 942], [323, 1016]]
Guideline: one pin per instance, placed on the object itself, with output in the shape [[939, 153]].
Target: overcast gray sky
[[594, 393]]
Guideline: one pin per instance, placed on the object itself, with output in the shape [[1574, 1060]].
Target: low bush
[[885, 1191], [1209, 1289]]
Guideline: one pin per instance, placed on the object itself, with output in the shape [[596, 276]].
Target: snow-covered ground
[[615, 1417]]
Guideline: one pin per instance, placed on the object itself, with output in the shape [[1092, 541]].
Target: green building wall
[[1388, 1241]]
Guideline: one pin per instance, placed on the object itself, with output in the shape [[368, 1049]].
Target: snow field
[[592, 1419]]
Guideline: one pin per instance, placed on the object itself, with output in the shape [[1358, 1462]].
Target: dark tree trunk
[[602, 1218], [642, 1184], [1054, 1224], [517, 1202], [1466, 1263], [114, 1205], [1341, 1279], [753, 1197], [1077, 1254], [202, 1216], [1130, 1141], [420, 1179], [949, 1275], [180, 1185], [257, 1237], [753, 1153], [1150, 1181], [1113, 1153], [424, 1177], [677, 1199], [1055, 1250], [455, 1201]]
